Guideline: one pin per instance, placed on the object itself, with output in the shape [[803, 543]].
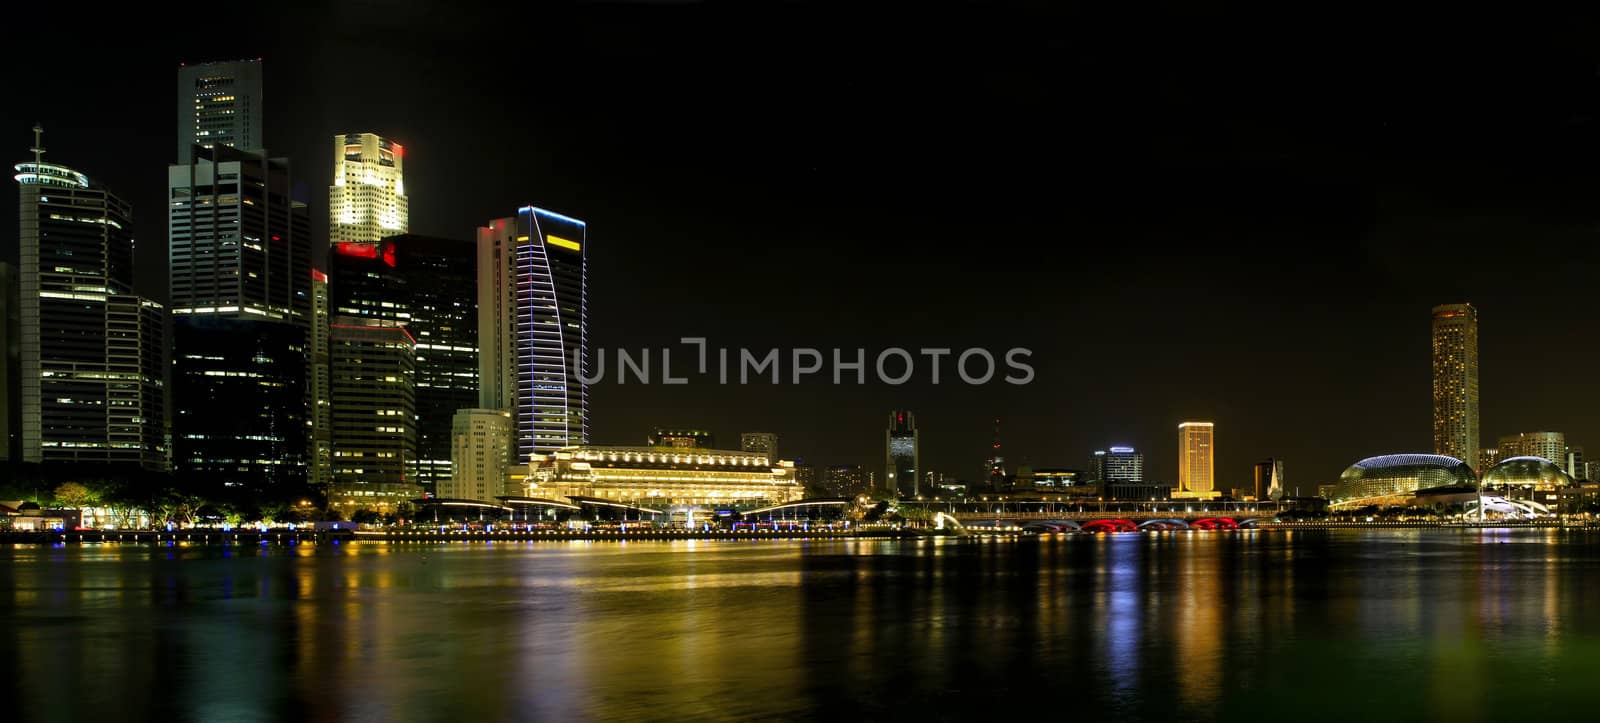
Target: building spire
[[38, 143]]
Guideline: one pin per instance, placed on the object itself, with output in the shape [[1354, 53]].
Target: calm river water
[[1269, 625]]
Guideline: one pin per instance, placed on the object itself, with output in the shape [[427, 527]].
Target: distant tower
[[1269, 480], [219, 104], [1196, 461], [367, 200], [901, 459], [1455, 382], [760, 443], [995, 466]]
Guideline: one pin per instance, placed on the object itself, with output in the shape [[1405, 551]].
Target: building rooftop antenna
[[38, 143]]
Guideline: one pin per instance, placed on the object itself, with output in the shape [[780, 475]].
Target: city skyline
[[593, 165]]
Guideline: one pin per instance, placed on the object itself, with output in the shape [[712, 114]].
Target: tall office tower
[[321, 472], [1455, 381], [10, 389], [367, 200], [1196, 467], [532, 333], [240, 246], [901, 453], [91, 363], [1593, 470], [994, 468], [1549, 445], [1268, 480], [760, 443], [219, 104], [481, 452], [680, 438], [1118, 465], [429, 286], [1576, 465], [374, 434], [240, 275]]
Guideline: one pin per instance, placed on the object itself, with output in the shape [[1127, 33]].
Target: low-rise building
[[655, 476]]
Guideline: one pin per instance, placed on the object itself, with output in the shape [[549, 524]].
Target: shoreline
[[294, 537]]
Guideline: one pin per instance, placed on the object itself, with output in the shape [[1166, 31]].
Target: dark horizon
[[1183, 215]]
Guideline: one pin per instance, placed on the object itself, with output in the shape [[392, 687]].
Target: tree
[[72, 494]]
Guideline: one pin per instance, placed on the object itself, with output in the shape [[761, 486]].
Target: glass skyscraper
[[219, 104], [1455, 381], [91, 373], [1196, 461], [428, 286], [532, 329], [902, 461]]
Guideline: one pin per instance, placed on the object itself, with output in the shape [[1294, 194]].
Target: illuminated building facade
[[1196, 461], [238, 244], [90, 373], [429, 286], [681, 438], [321, 469], [1395, 479], [1545, 445], [239, 265], [848, 480], [1521, 477], [367, 200], [1268, 480], [1052, 479], [219, 104], [374, 430], [1455, 381], [902, 456], [532, 328], [660, 476], [1117, 466], [759, 443], [481, 454]]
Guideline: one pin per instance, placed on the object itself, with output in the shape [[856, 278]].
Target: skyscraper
[[241, 278], [532, 332], [481, 452], [219, 104], [427, 285], [372, 366], [902, 461], [367, 200], [760, 443], [1116, 466], [239, 245], [321, 471], [1196, 466], [91, 376], [1455, 382]]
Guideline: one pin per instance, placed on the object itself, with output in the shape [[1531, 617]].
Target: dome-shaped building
[[1520, 476], [1395, 478]]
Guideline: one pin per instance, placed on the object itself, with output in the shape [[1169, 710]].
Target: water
[[1318, 625]]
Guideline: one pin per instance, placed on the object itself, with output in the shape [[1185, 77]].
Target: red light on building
[[357, 250], [388, 255], [318, 276]]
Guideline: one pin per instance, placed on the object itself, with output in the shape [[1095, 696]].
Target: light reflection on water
[[1469, 625]]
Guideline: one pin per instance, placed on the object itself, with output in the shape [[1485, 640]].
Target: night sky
[[1239, 214]]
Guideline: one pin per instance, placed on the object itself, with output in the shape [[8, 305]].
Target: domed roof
[[1391, 477], [1535, 472]]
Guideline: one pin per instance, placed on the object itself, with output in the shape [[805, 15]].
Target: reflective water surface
[[1319, 625]]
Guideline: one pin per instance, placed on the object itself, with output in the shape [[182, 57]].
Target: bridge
[[1024, 511]]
